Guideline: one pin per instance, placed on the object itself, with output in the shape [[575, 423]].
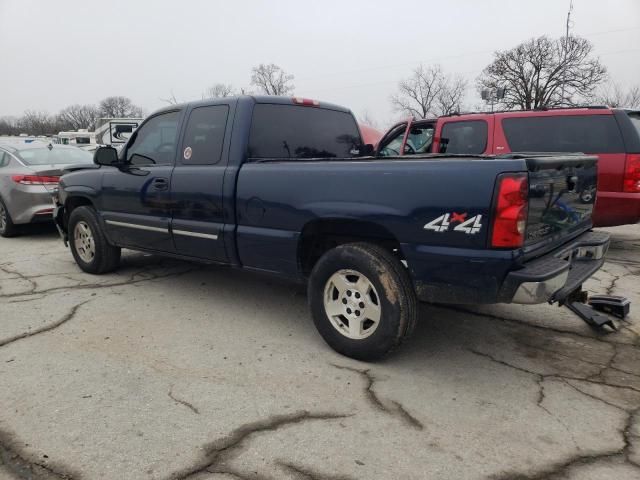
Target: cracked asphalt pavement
[[171, 370]]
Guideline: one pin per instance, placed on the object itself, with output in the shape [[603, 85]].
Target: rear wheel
[[7, 227], [362, 300], [89, 246]]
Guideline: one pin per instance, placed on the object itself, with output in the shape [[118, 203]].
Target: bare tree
[[616, 96], [37, 123], [429, 92], [9, 126], [219, 90], [535, 73], [451, 95], [119, 107], [75, 117], [171, 100], [272, 80]]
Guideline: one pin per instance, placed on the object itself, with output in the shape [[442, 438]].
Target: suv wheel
[[362, 300], [90, 248], [7, 227]]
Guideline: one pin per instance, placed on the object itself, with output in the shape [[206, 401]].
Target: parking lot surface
[[173, 370]]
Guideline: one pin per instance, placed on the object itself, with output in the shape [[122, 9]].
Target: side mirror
[[105, 156], [367, 150]]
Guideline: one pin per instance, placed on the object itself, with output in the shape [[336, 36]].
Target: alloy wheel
[[84, 242], [352, 304]]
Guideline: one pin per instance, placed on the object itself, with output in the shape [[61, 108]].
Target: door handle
[[160, 184]]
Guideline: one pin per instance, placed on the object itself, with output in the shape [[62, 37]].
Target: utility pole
[[566, 41]]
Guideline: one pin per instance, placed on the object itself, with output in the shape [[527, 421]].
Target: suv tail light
[[631, 181], [510, 214], [35, 180]]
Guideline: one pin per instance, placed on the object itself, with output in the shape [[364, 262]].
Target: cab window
[[299, 132], [155, 141], [466, 137]]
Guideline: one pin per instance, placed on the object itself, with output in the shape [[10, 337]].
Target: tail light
[[631, 181], [510, 215], [35, 180], [305, 101]]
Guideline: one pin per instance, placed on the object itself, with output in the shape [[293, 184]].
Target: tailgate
[[561, 197]]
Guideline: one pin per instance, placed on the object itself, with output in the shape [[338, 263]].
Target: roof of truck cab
[[272, 99]]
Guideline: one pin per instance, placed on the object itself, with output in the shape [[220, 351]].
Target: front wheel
[[89, 246], [362, 300]]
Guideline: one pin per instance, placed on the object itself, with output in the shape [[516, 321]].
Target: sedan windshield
[[54, 156]]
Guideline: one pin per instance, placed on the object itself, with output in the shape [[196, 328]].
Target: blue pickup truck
[[285, 186]]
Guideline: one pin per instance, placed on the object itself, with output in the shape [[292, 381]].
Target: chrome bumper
[[555, 276]]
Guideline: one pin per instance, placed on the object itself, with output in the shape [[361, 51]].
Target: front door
[[136, 196], [196, 185]]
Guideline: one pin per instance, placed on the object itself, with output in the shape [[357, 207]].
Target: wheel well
[[320, 236], [72, 203]]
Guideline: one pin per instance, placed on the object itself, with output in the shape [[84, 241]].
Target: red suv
[[610, 133]]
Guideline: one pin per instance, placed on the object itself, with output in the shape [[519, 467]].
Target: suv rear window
[[466, 137], [571, 133], [290, 131]]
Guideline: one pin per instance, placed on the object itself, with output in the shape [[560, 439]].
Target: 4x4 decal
[[470, 226]]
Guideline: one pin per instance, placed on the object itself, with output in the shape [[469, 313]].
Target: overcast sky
[[57, 52]]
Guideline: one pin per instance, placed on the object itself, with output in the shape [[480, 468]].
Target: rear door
[[135, 198], [197, 217], [472, 136]]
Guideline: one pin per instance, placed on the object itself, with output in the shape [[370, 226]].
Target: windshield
[[54, 156]]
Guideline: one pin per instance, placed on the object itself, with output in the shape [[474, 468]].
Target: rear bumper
[[616, 208], [553, 277], [30, 203], [465, 276]]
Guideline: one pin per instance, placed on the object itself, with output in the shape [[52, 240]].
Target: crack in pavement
[[306, 473], [182, 402], [559, 468], [18, 275], [92, 286], [47, 328], [223, 450], [398, 410], [18, 463]]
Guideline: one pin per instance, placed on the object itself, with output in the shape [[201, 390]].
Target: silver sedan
[[29, 174]]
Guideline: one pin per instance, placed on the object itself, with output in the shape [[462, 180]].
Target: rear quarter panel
[[276, 199]]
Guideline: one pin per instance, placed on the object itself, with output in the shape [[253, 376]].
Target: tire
[[89, 246], [7, 227], [377, 280]]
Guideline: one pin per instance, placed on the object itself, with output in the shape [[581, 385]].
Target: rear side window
[[576, 133], [204, 135], [4, 159], [635, 121], [468, 137], [290, 131]]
